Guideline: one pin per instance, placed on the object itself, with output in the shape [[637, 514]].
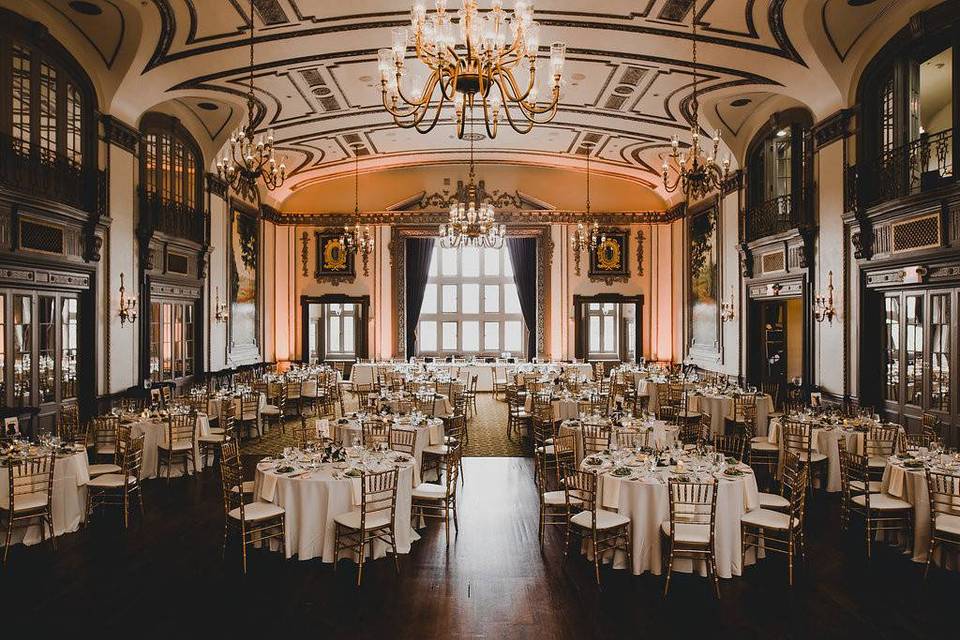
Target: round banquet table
[[70, 476], [441, 407], [562, 408], [721, 407], [213, 409], [646, 502], [154, 431], [312, 499], [664, 435], [345, 430], [911, 485]]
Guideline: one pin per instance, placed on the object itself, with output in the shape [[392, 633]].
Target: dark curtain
[[523, 256], [417, 266]]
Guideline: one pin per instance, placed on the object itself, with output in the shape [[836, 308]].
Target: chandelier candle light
[[127, 306], [471, 62], [823, 307], [698, 174], [251, 158], [357, 239], [580, 241], [220, 314]]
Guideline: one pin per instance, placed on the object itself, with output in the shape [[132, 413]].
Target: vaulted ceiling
[[627, 80]]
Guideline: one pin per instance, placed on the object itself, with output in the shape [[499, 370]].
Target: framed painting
[[610, 260], [334, 263], [703, 284], [244, 283]]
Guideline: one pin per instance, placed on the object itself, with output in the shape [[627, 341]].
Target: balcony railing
[[26, 169], [172, 218], [774, 216], [923, 165]]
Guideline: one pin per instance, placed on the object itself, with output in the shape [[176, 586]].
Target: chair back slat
[[379, 494]]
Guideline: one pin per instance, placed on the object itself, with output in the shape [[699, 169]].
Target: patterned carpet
[[487, 430]]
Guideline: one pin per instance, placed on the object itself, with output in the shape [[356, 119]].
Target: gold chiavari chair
[[553, 504], [500, 378], [305, 432], [779, 531], [598, 374], [374, 433], [691, 433], [607, 530], [944, 492], [105, 435], [311, 394], [917, 440], [691, 528], [275, 410], [439, 500], [880, 444], [180, 442], [293, 406], [69, 427], [374, 521], [227, 418], [796, 437], [425, 404], [760, 453], [115, 466], [732, 446], [230, 449], [119, 488], [629, 439], [255, 522], [680, 400], [403, 441], [596, 438], [250, 413], [930, 425], [518, 419], [29, 497], [741, 402], [666, 410], [880, 511], [436, 456], [772, 389]]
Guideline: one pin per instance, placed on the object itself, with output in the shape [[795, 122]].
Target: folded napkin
[[268, 487], [356, 490], [322, 427], [610, 491]]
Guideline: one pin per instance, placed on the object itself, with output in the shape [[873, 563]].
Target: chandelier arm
[[517, 127], [513, 91], [491, 132], [424, 96]]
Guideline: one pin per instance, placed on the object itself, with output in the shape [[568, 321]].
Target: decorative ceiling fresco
[[627, 82]]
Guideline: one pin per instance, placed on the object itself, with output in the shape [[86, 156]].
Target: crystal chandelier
[[697, 174], [472, 223], [355, 239], [581, 241], [472, 62], [249, 158]]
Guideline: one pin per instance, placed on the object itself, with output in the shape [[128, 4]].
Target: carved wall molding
[[305, 254], [832, 128], [640, 239], [732, 183], [518, 217], [120, 134], [216, 186]]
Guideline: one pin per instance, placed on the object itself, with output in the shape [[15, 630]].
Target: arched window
[[171, 162]]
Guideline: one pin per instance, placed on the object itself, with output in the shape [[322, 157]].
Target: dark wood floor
[[165, 576]]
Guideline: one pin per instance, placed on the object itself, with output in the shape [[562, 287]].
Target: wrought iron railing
[[776, 215], [923, 165], [172, 218], [27, 169]]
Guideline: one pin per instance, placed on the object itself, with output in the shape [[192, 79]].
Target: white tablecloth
[[312, 502], [442, 407], [154, 432], [213, 409], [70, 476], [365, 373], [346, 430], [911, 485], [722, 407], [647, 503], [664, 435], [826, 440], [562, 408]]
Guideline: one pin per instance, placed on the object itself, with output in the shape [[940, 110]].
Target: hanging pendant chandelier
[[470, 63], [356, 239], [251, 158], [581, 240], [698, 174], [472, 222]]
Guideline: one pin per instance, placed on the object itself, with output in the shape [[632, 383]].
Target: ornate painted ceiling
[[627, 80]]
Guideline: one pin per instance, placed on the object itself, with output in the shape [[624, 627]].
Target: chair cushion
[[437, 449], [948, 524], [882, 502], [30, 501], [547, 450], [100, 469], [875, 486], [351, 520], [270, 410], [605, 519], [212, 439], [688, 533], [182, 445], [773, 501], [110, 481], [555, 498], [768, 519], [813, 457], [763, 446], [758, 439], [429, 491], [246, 487], [254, 511], [106, 449], [877, 462]]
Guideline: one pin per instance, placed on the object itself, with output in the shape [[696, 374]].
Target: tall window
[[340, 322], [172, 339], [470, 305], [46, 106], [603, 339], [171, 163]]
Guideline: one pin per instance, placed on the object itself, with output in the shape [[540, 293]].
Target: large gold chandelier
[[471, 63], [472, 222], [698, 174], [251, 159]]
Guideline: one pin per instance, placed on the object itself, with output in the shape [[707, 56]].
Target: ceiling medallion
[[472, 222], [697, 173], [251, 160], [471, 62]]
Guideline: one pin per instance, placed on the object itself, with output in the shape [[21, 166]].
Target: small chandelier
[[220, 314], [697, 173], [472, 223], [251, 159], [354, 239], [580, 241], [727, 309], [823, 306], [127, 307], [470, 63]]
